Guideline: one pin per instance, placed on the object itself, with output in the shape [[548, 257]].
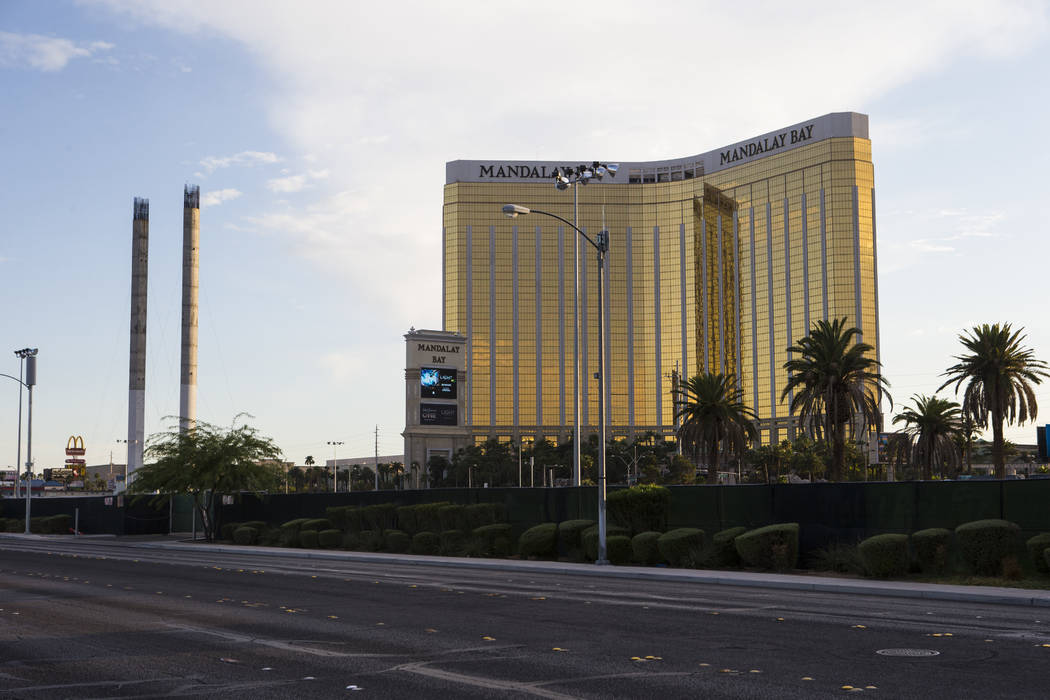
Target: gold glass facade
[[716, 262]]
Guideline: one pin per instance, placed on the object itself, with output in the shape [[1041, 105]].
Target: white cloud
[[46, 53], [244, 158], [292, 183], [376, 119], [217, 197]]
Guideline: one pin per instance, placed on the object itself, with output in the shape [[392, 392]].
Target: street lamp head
[[561, 182], [612, 168], [512, 210]]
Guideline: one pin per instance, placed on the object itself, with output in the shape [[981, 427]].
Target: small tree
[[206, 461]]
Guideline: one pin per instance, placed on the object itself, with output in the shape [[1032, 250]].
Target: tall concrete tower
[[191, 234], [137, 368]]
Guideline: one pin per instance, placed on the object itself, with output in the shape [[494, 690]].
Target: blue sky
[[318, 133]]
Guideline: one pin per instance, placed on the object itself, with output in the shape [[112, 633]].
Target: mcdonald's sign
[[75, 446]]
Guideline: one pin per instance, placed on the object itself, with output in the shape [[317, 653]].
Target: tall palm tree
[[999, 374], [836, 384], [714, 419], [930, 434]]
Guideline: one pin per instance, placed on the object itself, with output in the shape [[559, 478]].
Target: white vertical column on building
[[561, 327], [754, 312], [657, 331], [539, 330], [705, 295], [515, 320], [629, 260], [805, 265], [470, 323], [683, 295], [824, 253], [721, 303], [772, 336], [736, 296], [858, 312], [492, 329], [586, 375], [787, 292]]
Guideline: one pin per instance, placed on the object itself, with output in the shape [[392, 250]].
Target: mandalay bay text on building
[[718, 262]]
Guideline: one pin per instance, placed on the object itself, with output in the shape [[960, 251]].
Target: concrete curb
[[893, 589]]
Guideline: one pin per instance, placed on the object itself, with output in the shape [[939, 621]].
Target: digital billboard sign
[[437, 414], [437, 383]]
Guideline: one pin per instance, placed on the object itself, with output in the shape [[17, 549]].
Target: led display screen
[[437, 383], [437, 414]]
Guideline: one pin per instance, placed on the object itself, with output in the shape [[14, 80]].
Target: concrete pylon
[[137, 365], [191, 234]]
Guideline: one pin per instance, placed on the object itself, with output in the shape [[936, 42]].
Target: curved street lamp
[[564, 178], [601, 245], [29, 355]]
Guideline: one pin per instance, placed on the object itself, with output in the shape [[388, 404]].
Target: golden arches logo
[[75, 445]]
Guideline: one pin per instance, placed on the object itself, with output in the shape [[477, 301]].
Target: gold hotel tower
[[718, 261]]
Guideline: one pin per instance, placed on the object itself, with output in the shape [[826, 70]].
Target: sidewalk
[[796, 582]]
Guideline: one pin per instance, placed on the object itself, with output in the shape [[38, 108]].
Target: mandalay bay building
[[717, 262]]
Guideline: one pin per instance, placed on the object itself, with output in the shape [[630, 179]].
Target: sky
[[318, 133]]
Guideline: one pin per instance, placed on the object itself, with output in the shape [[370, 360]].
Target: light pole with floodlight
[[22, 355], [335, 466], [564, 178], [601, 244]]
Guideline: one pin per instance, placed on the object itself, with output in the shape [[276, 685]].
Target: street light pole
[[601, 245], [335, 467], [564, 178], [30, 382]]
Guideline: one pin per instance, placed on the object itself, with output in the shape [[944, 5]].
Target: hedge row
[[983, 547], [43, 525]]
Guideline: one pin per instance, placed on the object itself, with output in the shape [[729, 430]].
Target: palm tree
[[714, 419], [999, 374], [836, 385], [930, 434]]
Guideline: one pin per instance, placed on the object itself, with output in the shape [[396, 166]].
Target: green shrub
[[245, 535], [931, 547], [423, 517], [61, 524], [317, 524], [589, 540], [570, 538], [396, 541], [482, 514], [841, 557], [618, 549], [308, 539], [453, 518], [721, 552], [337, 516], [492, 540], [884, 556], [257, 524], [1046, 557], [1036, 546], [985, 544], [227, 530], [681, 547], [381, 516], [289, 535], [540, 541], [330, 538], [352, 541], [640, 508], [453, 543], [770, 547], [426, 543], [371, 540], [645, 549]]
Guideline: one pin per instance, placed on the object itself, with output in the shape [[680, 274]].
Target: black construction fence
[[109, 515], [843, 512]]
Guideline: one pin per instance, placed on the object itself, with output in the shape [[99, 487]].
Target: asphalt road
[[92, 618]]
